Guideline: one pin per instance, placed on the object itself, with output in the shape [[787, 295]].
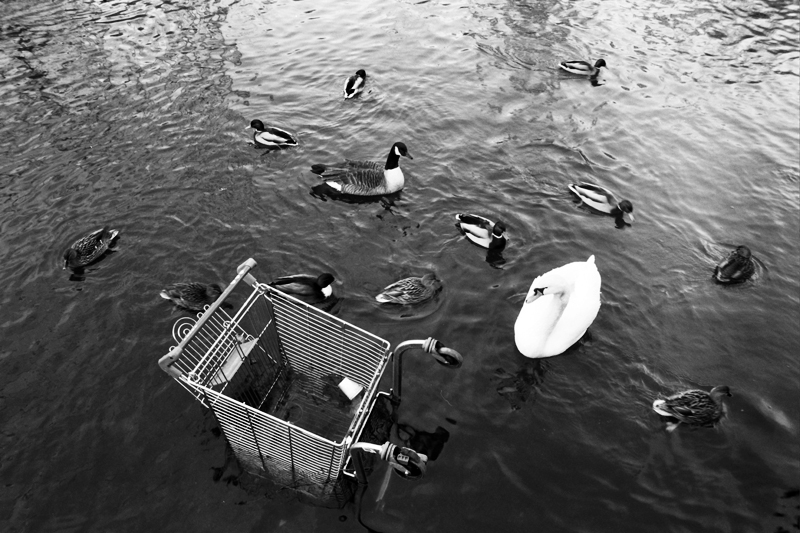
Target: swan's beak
[[631, 215], [534, 294]]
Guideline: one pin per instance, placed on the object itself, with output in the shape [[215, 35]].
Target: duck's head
[[600, 63], [743, 252], [626, 207], [400, 149], [214, 290], [257, 125], [429, 280], [361, 73], [499, 229], [721, 390], [70, 257], [325, 279]]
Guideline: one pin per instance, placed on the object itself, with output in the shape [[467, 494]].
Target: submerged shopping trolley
[[293, 387]]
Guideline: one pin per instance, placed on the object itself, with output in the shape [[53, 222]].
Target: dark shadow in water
[[267, 149], [79, 273], [323, 191], [230, 471], [786, 516], [520, 386], [495, 259], [429, 443], [330, 305]]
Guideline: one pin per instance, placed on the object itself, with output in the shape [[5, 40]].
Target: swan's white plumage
[[550, 323]]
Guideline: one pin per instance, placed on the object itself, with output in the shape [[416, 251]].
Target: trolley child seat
[[292, 387]]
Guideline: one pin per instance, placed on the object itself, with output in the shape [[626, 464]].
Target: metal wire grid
[[266, 445], [277, 353], [323, 350], [218, 350]]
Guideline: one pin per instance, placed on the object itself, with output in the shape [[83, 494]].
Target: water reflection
[[520, 386], [430, 443], [323, 192]]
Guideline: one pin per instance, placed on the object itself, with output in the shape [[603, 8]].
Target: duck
[[693, 407], [313, 289], [735, 268], [271, 136], [583, 68], [602, 200], [560, 306], [410, 291], [366, 178], [354, 85], [482, 231], [89, 248], [192, 296]]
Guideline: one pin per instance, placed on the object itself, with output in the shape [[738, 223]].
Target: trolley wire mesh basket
[[291, 386]]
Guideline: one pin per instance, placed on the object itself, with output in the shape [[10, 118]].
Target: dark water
[[134, 114]]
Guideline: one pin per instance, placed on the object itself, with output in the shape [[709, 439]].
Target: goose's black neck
[[393, 160]]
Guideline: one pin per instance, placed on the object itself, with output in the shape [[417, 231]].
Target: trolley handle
[[442, 354], [167, 361]]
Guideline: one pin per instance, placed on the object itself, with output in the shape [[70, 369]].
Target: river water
[[134, 114]]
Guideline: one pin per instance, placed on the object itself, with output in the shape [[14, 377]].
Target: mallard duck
[[88, 249], [410, 290], [601, 199], [482, 231], [271, 137], [366, 178], [313, 289], [582, 68], [695, 407], [735, 268], [560, 306], [192, 296], [355, 84]]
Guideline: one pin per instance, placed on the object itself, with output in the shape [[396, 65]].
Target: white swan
[[559, 308]]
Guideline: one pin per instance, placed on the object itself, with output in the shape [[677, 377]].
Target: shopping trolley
[[293, 387]]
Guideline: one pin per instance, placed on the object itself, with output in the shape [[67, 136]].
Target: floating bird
[[410, 290], [482, 231], [355, 84], [582, 68], [313, 289], [601, 199], [366, 178], [559, 307], [88, 249], [271, 137], [735, 268], [192, 296], [694, 407]]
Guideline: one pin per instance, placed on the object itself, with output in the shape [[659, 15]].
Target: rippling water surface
[[135, 114]]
